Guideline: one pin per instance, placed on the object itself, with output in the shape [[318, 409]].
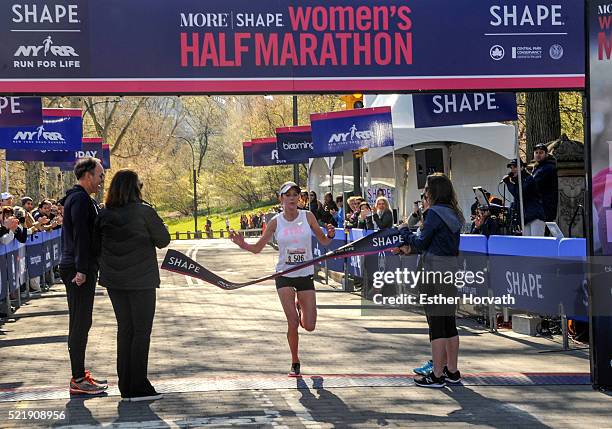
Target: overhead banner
[[243, 46], [336, 132], [441, 110], [247, 153], [20, 112], [106, 156], [90, 147], [62, 129], [264, 153], [599, 163], [294, 144]]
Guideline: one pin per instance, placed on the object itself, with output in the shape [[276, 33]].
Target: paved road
[[221, 359]]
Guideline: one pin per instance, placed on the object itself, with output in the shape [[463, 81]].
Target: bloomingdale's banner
[[242, 46]]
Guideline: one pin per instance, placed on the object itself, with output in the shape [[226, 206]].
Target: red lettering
[[209, 51], [343, 37], [381, 18], [403, 48], [328, 51], [308, 45], [605, 43], [382, 49], [187, 49], [605, 22], [345, 17], [364, 48], [402, 13], [266, 50], [224, 62], [364, 18], [239, 48], [288, 51], [299, 18], [319, 18]]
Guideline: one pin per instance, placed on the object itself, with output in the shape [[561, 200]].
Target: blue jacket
[[439, 235], [531, 197], [545, 176]]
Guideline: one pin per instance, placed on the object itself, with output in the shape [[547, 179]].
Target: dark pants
[[134, 310], [80, 308]]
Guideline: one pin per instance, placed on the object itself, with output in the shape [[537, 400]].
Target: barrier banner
[[599, 166], [288, 46], [48, 250], [34, 253], [20, 112], [441, 110], [22, 274], [3, 273], [62, 129], [12, 253], [56, 247], [337, 132]]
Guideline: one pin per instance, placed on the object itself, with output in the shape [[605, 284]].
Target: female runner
[[292, 229]]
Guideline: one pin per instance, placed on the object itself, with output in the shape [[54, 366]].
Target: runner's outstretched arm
[[238, 239], [323, 239]]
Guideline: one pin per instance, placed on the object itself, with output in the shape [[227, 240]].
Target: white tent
[[474, 154]]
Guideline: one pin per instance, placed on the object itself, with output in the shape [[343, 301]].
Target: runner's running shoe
[[295, 370], [102, 383], [431, 381], [153, 397], [85, 386], [452, 377], [424, 369]]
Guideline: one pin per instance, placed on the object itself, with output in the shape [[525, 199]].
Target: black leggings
[[80, 308], [134, 310]]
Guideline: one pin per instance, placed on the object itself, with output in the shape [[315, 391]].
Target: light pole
[[195, 193]]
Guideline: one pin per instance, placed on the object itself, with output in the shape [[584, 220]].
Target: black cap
[[514, 163], [541, 146]]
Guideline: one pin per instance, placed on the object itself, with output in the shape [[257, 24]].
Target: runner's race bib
[[295, 256]]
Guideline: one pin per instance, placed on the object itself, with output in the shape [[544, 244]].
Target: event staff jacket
[[80, 211], [545, 176], [125, 239]]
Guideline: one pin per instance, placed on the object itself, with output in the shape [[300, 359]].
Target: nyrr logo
[[47, 48], [38, 135], [354, 134]]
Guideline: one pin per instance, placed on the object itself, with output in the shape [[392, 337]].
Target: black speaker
[[428, 161]]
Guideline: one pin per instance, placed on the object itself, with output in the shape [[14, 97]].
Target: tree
[[543, 119]]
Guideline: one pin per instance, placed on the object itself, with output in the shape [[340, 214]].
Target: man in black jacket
[[79, 269], [545, 176]]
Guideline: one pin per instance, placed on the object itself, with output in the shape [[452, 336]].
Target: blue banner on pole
[[20, 112], [62, 129], [53, 158], [264, 152], [336, 132], [242, 46], [294, 144], [106, 156], [247, 154], [440, 110]]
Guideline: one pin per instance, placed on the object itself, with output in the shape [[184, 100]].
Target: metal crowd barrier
[[220, 233], [20, 262]]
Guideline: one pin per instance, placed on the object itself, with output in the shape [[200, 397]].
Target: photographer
[[416, 217], [545, 176], [329, 211], [533, 210], [484, 223], [365, 216]]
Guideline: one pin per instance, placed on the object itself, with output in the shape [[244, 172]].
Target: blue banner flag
[[106, 156], [264, 152], [62, 129], [294, 144], [247, 154], [336, 132], [289, 46], [441, 110], [20, 112], [90, 147]]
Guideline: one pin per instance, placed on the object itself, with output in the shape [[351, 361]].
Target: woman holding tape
[[292, 229], [438, 242]]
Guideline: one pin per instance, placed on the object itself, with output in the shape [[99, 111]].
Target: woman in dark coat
[[126, 234], [383, 216]]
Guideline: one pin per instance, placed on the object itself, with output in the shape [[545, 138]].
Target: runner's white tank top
[[294, 244]]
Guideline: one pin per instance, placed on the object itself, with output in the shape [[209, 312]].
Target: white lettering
[[534, 15], [58, 14], [12, 103]]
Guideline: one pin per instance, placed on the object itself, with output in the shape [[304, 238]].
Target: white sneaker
[[144, 398]]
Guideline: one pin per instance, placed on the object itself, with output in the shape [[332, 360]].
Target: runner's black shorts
[[300, 284], [441, 326]]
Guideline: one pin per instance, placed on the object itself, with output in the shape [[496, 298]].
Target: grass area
[[185, 224]]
